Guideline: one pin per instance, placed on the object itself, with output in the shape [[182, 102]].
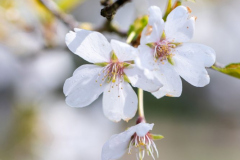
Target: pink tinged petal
[[117, 145], [153, 31], [91, 46], [197, 53], [172, 84], [119, 102], [193, 72], [179, 27], [124, 51], [140, 80], [82, 89]]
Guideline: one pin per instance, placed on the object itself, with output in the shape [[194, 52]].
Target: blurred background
[[36, 124]]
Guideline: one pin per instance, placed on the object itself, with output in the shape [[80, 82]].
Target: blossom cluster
[[156, 65]]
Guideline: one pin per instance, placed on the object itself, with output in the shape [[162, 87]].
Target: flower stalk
[[140, 103]]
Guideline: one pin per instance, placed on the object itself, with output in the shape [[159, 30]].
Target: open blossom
[[111, 73], [137, 137], [165, 54]]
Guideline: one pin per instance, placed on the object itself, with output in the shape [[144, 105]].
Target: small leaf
[[103, 64], [163, 37], [125, 77], [151, 45], [128, 65], [114, 57], [138, 26], [232, 69], [170, 60], [157, 136]]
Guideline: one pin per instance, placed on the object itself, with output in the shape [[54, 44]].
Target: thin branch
[[110, 10], [54, 9]]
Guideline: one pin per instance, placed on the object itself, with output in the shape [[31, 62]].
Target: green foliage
[[157, 136], [232, 69], [138, 26]]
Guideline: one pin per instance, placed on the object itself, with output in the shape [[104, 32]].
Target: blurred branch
[[109, 27], [110, 10], [73, 23], [106, 2], [54, 9]]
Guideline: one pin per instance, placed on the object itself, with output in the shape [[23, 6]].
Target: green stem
[[140, 103]]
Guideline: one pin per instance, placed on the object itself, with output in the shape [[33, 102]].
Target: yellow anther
[[100, 84]]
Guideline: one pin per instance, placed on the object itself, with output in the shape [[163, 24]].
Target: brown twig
[[110, 10], [54, 9]]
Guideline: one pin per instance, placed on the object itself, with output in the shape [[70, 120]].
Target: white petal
[[145, 58], [192, 72], [198, 53], [140, 80], [120, 102], [117, 145], [112, 153], [91, 46], [153, 31], [82, 89], [124, 51], [172, 84], [179, 27], [131, 102]]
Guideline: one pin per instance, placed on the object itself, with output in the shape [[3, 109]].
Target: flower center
[[144, 144], [113, 73], [163, 50]]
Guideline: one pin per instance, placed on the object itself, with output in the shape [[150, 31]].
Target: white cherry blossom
[[113, 68], [165, 54], [137, 137]]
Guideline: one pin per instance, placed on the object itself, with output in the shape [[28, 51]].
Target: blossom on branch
[[137, 137], [111, 73], [165, 54]]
